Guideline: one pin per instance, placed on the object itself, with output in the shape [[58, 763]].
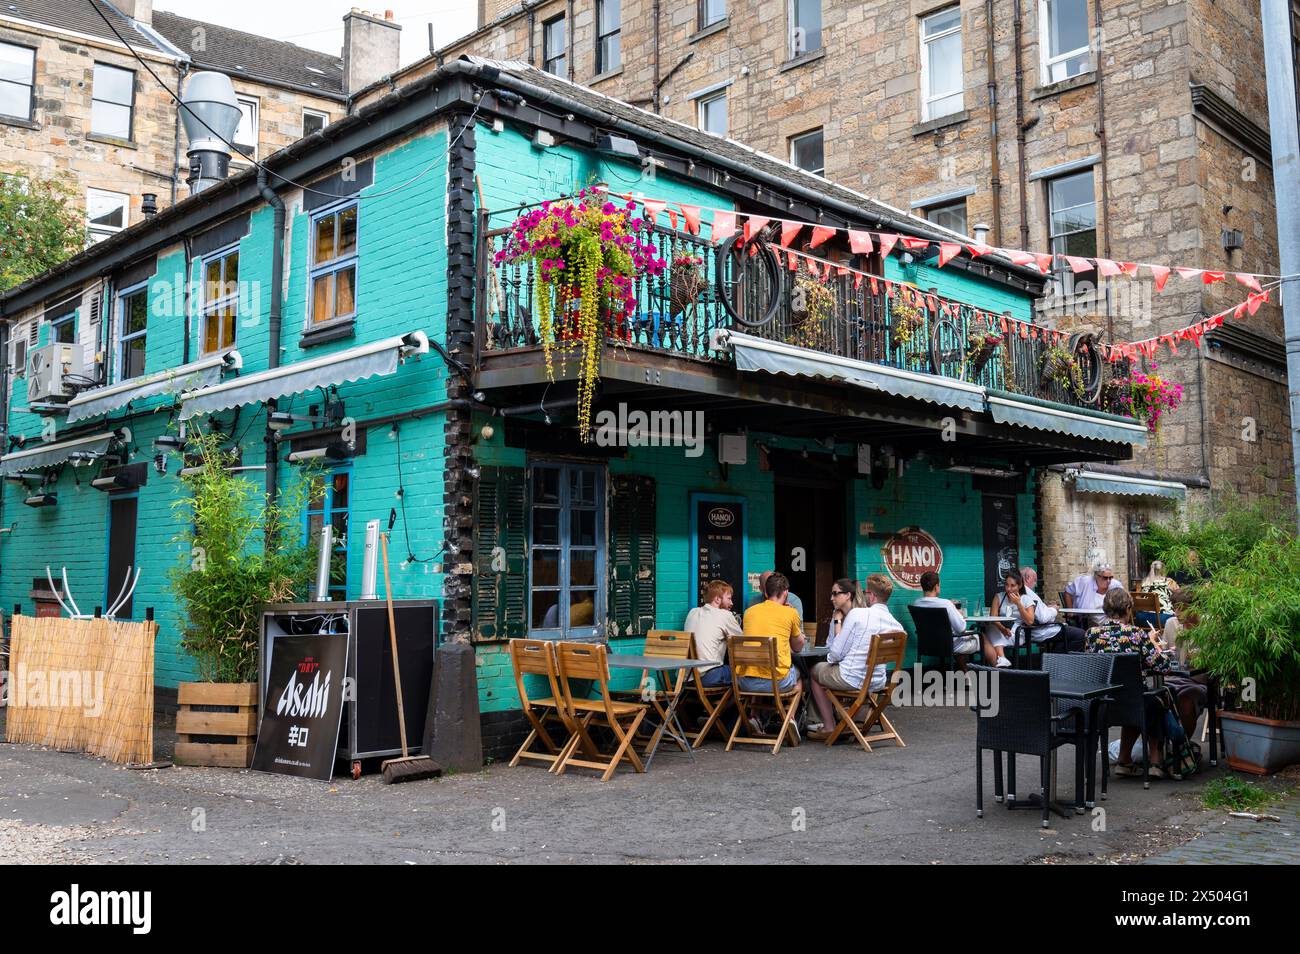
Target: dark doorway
[[810, 517], [121, 551], [1001, 542]]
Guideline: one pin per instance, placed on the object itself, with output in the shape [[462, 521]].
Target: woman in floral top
[[1117, 634]]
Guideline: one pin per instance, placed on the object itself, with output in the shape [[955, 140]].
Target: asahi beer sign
[[303, 706], [909, 553]]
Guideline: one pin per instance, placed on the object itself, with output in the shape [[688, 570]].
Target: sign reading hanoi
[[909, 553]]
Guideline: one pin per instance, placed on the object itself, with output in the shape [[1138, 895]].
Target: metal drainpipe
[[4, 403], [181, 72], [654, 17], [995, 162], [532, 45], [1020, 126], [273, 359], [568, 26], [1105, 163]]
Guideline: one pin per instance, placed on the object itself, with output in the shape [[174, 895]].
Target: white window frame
[[1065, 280], [820, 131], [701, 105], [123, 339], [1046, 60], [319, 113], [256, 118], [97, 233], [930, 210], [212, 306], [929, 96]]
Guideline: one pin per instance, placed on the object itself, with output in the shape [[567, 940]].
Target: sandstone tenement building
[[1135, 130]]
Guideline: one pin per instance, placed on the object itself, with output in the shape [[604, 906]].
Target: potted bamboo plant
[[238, 552], [587, 257], [1247, 626]]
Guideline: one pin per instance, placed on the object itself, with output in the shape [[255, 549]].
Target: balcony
[[708, 288]]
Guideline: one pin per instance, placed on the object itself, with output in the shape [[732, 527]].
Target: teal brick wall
[[964, 287]]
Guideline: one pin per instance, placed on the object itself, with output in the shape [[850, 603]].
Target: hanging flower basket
[[686, 283], [980, 348], [1059, 367], [809, 321], [906, 323], [1145, 397], [587, 257]]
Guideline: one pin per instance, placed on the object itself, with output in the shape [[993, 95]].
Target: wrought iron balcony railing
[[745, 287]]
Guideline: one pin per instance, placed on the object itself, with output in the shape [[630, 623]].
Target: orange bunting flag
[[841, 270], [653, 207], [947, 250], [1107, 268], [753, 225], [1003, 319], [1128, 268], [672, 219], [887, 243], [1254, 301], [1239, 311], [692, 215], [1188, 272], [794, 262], [724, 225], [1169, 340], [1211, 277], [820, 234], [915, 244], [932, 302], [979, 248], [1250, 281], [1044, 261], [788, 232], [1020, 258], [875, 286], [1023, 332], [1078, 263], [1161, 275], [1217, 321], [860, 242], [857, 279]]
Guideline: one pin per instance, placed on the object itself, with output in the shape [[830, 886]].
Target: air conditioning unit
[[48, 371]]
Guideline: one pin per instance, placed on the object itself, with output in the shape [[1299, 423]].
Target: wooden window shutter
[[500, 598], [632, 545]]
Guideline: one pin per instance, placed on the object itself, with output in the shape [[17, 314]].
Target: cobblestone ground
[[1239, 841]]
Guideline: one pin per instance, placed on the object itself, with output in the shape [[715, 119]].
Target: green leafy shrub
[[39, 227], [228, 567]]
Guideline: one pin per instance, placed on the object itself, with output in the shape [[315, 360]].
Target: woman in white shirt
[[1010, 602]]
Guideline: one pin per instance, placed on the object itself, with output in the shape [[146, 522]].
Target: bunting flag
[[1250, 281], [1160, 274], [1078, 264], [887, 243], [947, 251], [978, 248], [692, 215], [753, 225], [820, 234], [1020, 258], [794, 262], [859, 242], [1188, 272], [724, 226], [789, 230], [672, 219], [915, 244], [1128, 268], [1106, 268], [1254, 301], [1044, 261], [653, 207], [857, 279], [1211, 277]]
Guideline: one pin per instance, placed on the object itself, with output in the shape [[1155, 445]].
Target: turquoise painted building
[[366, 326]]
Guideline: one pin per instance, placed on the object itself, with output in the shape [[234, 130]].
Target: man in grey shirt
[[790, 599]]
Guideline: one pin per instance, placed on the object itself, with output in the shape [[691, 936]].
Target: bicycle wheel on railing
[[947, 349], [1087, 357], [748, 280]]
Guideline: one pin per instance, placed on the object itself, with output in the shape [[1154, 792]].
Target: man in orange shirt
[[773, 617]]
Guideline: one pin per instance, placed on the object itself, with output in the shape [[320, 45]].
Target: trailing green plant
[[906, 321], [39, 227], [818, 301], [238, 551], [980, 347], [1058, 366]]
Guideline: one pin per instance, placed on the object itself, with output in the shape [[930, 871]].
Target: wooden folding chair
[[588, 661], [886, 649], [536, 657], [714, 700], [760, 651], [1146, 603]]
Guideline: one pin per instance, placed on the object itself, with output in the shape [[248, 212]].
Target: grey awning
[[759, 354], [188, 377], [90, 447], [1025, 411], [354, 364], [1128, 486]]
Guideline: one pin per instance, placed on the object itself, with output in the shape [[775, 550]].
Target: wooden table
[[670, 722]]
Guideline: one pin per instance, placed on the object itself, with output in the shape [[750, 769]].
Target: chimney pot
[[149, 204], [981, 232], [372, 48]]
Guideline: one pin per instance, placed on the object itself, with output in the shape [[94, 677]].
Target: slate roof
[[78, 17]]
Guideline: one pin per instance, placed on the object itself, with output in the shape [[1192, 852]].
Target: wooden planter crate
[[216, 724]]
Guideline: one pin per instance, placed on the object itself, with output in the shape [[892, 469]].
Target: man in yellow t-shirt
[[773, 618]]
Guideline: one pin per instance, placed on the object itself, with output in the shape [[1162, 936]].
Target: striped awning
[[1008, 408], [88, 448], [1094, 483], [354, 364], [187, 377], [773, 357]]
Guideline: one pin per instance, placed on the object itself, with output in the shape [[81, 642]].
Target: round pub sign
[[909, 553]]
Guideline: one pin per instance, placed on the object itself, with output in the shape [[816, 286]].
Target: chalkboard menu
[[718, 543], [1001, 547]]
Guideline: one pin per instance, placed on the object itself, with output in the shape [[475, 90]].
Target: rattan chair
[[1021, 722], [1089, 669], [1129, 708], [934, 635]]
